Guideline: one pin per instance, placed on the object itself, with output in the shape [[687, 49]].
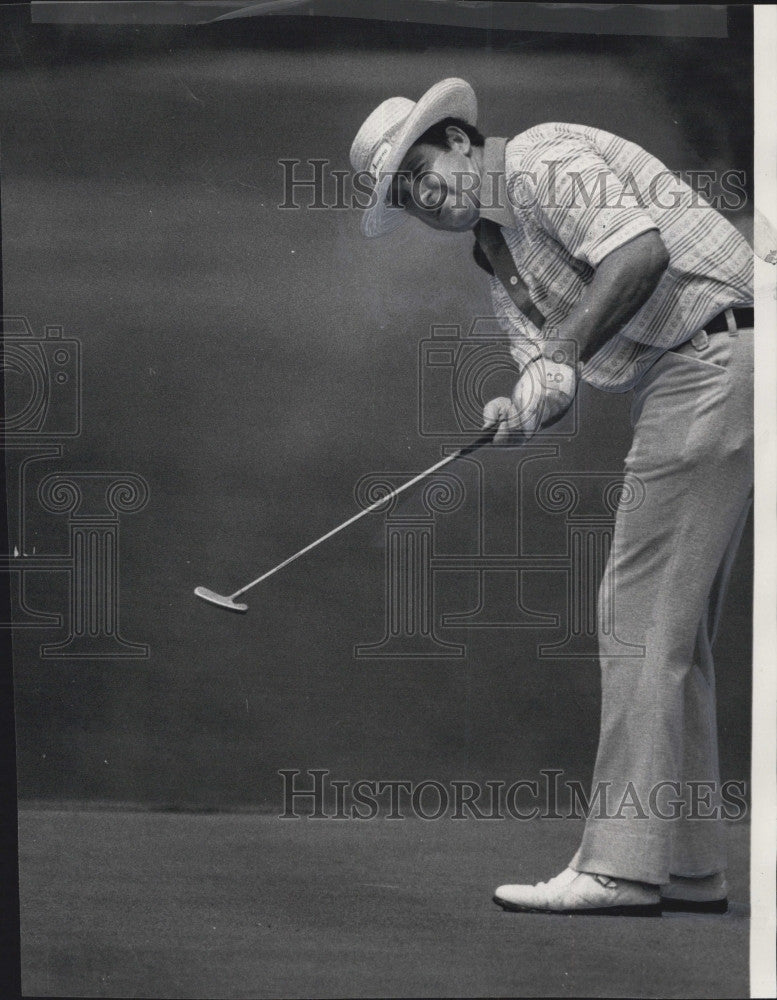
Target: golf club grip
[[486, 438]]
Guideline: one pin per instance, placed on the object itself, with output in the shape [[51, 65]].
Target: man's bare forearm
[[623, 282]]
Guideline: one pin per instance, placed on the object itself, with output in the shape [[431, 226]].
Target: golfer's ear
[[458, 139]]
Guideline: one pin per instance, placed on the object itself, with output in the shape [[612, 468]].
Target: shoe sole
[[642, 910], [694, 906]]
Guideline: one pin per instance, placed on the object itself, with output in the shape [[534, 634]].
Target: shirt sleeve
[[574, 196]]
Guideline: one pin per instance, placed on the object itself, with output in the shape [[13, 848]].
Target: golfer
[[605, 267]]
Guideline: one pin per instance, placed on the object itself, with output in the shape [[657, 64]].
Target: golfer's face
[[438, 187]]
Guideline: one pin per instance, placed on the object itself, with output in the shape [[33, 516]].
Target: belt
[[744, 318]]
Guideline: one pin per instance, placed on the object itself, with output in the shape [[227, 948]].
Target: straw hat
[[388, 133]]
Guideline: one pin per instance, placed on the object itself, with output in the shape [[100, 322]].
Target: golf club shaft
[[486, 438]]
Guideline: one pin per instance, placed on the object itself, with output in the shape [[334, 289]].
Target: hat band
[[379, 158]]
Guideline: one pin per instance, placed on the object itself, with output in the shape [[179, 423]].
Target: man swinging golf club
[[637, 286]]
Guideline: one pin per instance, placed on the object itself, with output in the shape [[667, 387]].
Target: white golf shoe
[[576, 892], [696, 895]]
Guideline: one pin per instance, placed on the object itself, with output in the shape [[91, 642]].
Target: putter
[[228, 600]]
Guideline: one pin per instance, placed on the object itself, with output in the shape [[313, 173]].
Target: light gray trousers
[[662, 589]]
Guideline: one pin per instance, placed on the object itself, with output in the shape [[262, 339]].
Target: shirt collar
[[495, 205]]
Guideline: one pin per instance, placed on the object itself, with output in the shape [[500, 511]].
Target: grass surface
[[169, 905]]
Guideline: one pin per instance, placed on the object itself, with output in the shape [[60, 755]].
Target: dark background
[[253, 363]]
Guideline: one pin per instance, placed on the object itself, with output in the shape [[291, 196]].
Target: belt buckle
[[700, 340]]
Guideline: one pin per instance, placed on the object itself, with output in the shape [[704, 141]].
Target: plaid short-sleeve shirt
[[565, 197]]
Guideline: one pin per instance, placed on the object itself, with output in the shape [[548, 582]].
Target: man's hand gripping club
[[542, 395]]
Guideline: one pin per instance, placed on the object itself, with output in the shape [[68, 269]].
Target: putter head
[[219, 599]]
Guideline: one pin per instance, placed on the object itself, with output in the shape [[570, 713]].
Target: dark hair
[[435, 136]]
